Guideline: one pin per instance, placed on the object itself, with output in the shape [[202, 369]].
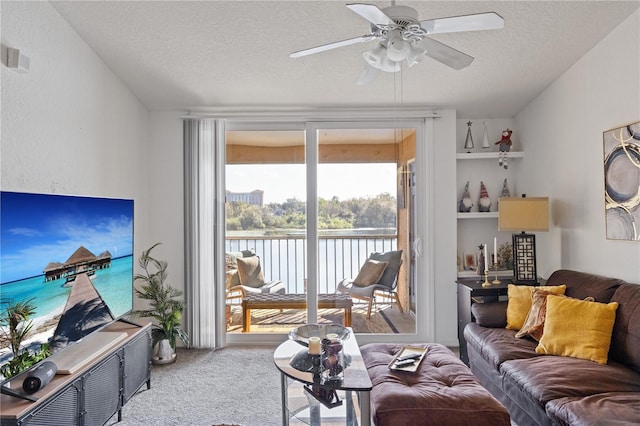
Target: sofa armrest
[[490, 315]]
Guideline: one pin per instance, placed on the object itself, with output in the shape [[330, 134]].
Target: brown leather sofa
[[547, 389]]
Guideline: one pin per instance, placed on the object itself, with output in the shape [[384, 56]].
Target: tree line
[[362, 212]]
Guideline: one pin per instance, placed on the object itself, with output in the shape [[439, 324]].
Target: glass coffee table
[[300, 407]]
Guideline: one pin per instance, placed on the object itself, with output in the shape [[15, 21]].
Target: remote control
[[405, 363], [409, 356]]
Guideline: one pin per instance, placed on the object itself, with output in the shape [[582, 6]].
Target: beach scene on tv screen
[[70, 257]]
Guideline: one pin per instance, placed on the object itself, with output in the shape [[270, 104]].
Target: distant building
[[82, 260], [254, 197]]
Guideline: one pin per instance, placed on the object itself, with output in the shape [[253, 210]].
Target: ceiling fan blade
[[445, 54], [330, 46], [371, 13], [477, 22], [368, 75]]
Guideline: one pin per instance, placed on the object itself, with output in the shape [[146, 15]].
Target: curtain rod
[[323, 114]]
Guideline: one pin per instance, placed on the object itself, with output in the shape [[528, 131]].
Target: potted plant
[[505, 254], [16, 326], [165, 309]]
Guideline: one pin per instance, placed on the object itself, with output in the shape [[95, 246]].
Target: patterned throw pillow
[[370, 273], [519, 304], [534, 323]]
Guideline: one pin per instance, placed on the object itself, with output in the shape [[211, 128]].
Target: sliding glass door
[[312, 202]]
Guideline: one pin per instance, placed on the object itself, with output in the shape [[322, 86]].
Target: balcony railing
[[339, 256]]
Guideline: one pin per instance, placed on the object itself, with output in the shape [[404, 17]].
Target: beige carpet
[[273, 321]]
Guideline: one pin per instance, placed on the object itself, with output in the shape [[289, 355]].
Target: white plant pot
[[164, 353]]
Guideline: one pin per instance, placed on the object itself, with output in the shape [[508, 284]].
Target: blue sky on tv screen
[[36, 229]]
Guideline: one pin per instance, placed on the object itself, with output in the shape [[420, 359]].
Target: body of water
[[284, 258]]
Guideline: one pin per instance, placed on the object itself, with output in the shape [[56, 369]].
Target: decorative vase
[[164, 353], [333, 364]]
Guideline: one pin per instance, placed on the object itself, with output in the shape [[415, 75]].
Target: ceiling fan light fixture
[[416, 55], [398, 49], [389, 65], [375, 56]]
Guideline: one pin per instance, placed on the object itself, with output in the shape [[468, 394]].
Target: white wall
[[561, 133], [444, 224], [69, 125], [165, 198]]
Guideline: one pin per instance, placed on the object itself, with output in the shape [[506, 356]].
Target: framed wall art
[[470, 263], [622, 182]]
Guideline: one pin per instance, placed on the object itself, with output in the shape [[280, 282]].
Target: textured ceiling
[[234, 54]]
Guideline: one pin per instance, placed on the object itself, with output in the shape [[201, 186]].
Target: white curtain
[[203, 232]]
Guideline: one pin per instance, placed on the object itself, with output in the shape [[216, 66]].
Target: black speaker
[[39, 377]]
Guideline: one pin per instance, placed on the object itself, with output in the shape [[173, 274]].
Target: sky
[[281, 182], [36, 229]]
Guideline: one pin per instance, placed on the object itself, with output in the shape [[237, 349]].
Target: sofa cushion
[[271, 287], [519, 302], [625, 340], [497, 345], [610, 408], [545, 378], [577, 328], [491, 314], [581, 285]]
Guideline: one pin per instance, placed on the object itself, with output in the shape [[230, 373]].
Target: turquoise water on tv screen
[[114, 284]]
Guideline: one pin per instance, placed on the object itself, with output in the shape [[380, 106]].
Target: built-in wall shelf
[[478, 215], [487, 155]]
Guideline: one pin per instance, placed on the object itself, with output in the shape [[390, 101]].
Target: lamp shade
[[523, 214]]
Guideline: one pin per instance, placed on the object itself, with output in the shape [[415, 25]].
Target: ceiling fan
[[401, 37]]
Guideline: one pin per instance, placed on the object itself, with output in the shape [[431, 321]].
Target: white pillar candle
[[486, 259], [314, 345]]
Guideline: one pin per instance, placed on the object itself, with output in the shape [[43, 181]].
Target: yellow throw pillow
[[578, 328], [520, 302]]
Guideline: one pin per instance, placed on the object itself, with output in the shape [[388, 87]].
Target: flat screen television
[[71, 257]]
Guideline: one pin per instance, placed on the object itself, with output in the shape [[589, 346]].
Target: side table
[[470, 291], [356, 380]]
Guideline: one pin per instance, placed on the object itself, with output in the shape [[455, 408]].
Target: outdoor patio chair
[[377, 277], [244, 275]]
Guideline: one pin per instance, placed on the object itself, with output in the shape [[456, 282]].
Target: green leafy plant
[[165, 309], [505, 254], [16, 326]]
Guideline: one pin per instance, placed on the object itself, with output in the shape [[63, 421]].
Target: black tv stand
[[10, 392], [93, 391]]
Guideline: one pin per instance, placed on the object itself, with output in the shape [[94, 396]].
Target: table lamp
[[524, 214]]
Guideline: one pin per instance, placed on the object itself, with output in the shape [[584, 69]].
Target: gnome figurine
[[465, 204], [505, 145], [484, 203]]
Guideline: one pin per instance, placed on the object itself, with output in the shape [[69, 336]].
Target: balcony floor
[[385, 319]]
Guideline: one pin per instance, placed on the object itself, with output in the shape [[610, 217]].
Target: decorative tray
[[414, 353], [302, 333]]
